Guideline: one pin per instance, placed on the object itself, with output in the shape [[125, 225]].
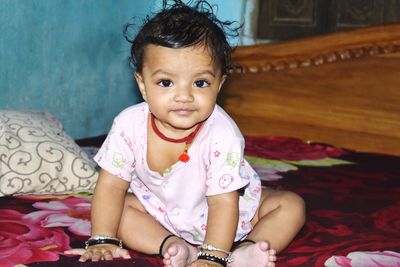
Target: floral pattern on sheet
[[39, 228], [73, 213], [353, 211], [24, 241], [365, 259], [280, 155]]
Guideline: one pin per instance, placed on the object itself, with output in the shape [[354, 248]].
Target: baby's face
[[180, 85]]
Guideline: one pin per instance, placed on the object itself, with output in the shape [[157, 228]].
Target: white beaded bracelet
[[210, 247]]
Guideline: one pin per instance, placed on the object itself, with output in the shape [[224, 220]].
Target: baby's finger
[[86, 256], [75, 251], [107, 255], [121, 253], [97, 255], [202, 263]]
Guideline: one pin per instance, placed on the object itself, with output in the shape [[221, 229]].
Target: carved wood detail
[[319, 59], [334, 47]]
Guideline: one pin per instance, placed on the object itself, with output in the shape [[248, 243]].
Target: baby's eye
[[201, 83], [165, 83]]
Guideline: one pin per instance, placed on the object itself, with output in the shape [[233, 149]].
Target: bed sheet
[[352, 198]]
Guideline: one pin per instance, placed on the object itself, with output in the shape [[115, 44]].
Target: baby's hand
[[204, 263], [99, 252]]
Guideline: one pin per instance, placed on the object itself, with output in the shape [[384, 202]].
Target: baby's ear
[[223, 78], [140, 82]]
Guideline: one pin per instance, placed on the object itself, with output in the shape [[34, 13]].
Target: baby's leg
[[258, 254], [178, 253], [279, 218], [142, 232], [139, 230]]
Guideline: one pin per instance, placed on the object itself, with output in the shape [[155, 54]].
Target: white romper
[[177, 199]]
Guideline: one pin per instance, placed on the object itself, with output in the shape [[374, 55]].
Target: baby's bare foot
[[258, 254], [179, 254]]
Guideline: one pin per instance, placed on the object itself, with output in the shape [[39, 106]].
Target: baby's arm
[[107, 206], [108, 203], [223, 216]]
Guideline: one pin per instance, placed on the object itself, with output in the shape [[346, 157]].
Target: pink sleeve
[[116, 154], [226, 163]]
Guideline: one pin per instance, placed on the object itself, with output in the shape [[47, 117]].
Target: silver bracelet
[[210, 247]]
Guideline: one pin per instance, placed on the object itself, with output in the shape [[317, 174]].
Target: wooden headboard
[[341, 88]]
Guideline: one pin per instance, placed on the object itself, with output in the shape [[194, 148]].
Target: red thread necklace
[[184, 157]]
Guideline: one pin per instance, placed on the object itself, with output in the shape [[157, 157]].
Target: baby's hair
[[179, 25]]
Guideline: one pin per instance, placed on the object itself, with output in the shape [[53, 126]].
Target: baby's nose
[[184, 94]]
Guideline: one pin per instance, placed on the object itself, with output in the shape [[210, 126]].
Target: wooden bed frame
[[341, 88]]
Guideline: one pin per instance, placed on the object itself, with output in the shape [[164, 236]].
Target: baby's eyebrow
[[206, 72], [160, 71], [163, 72]]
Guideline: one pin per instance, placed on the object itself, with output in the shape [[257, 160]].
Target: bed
[[342, 89], [321, 117]]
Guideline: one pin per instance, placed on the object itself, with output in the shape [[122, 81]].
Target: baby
[[173, 177]]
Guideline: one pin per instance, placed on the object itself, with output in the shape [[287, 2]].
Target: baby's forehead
[[198, 51], [199, 48]]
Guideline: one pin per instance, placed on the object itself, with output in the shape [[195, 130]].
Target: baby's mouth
[[183, 112]]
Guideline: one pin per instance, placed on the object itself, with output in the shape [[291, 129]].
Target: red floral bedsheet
[[353, 211]]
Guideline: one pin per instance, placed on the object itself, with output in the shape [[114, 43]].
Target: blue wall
[[69, 57]]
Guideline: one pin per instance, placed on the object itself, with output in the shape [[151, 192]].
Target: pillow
[[37, 156]]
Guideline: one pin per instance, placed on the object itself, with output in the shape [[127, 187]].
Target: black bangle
[[102, 240], [238, 243], [246, 241], [163, 243], [209, 257]]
